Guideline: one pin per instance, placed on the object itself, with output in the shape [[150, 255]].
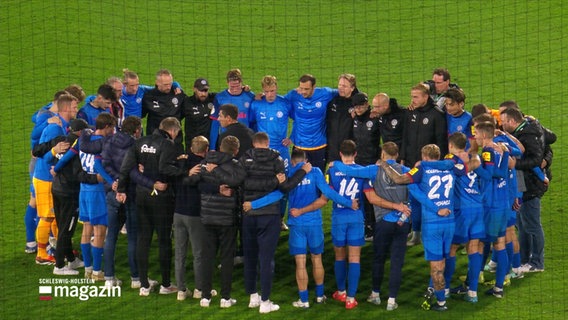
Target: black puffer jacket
[[423, 126], [157, 153], [339, 124], [68, 180], [531, 136], [217, 209], [367, 136], [392, 123], [261, 166]]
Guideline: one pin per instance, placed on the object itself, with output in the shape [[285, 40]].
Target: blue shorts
[[350, 234], [92, 208], [302, 238], [437, 240], [512, 219], [469, 225], [495, 223]]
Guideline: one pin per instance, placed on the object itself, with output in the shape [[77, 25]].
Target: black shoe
[[462, 289], [437, 307]]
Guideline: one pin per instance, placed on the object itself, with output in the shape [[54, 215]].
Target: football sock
[[449, 270], [304, 295], [319, 290], [30, 220], [474, 265], [87, 257], [502, 265], [353, 278], [97, 258], [340, 274]]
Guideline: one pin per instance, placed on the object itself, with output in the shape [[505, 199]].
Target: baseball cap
[[359, 99], [201, 84], [78, 125]]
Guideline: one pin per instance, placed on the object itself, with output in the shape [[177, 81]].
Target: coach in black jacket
[[391, 118], [531, 234], [424, 125], [157, 155], [161, 102]]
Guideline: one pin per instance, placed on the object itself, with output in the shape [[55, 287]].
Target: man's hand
[[53, 173], [497, 148], [177, 90], [294, 212], [444, 212], [286, 142], [141, 168], [517, 204], [160, 186], [374, 114], [355, 204], [114, 185], [225, 190], [55, 119], [195, 170], [403, 208], [100, 178], [258, 96], [307, 167], [121, 197], [61, 147], [281, 177], [210, 166], [247, 206], [182, 156]]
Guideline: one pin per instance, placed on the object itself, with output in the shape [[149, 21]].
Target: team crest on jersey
[[247, 104], [175, 101], [369, 124], [459, 128], [211, 106], [425, 121], [138, 100], [486, 156], [318, 104], [394, 122], [279, 114], [146, 149]]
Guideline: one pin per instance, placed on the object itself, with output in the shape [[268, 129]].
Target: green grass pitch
[[495, 50]]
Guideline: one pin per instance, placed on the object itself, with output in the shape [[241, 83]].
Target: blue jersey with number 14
[[350, 188]]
